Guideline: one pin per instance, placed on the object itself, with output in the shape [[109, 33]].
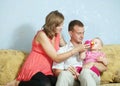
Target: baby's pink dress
[[92, 57], [37, 61]]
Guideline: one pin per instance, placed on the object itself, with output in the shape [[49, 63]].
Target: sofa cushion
[[117, 76], [10, 62], [113, 56]]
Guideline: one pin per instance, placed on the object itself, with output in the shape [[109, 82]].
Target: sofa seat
[[12, 60], [111, 84]]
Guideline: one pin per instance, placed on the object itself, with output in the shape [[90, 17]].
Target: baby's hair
[[99, 39]]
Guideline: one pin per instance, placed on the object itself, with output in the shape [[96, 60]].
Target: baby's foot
[[12, 83]]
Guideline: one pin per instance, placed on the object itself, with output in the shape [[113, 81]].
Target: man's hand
[[102, 60], [73, 71], [101, 67]]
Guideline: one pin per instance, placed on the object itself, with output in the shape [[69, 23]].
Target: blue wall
[[21, 19]]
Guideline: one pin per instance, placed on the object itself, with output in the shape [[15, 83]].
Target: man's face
[[77, 34]]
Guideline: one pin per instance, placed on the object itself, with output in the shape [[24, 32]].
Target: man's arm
[[103, 60], [101, 67], [101, 64]]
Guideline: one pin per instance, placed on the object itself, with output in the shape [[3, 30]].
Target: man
[[66, 71]]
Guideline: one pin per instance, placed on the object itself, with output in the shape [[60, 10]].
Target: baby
[[92, 55]]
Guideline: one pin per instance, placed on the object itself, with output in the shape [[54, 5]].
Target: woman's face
[[59, 28]]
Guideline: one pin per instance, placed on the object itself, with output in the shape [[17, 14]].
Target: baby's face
[[97, 44]]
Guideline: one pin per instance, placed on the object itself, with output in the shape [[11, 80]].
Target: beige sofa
[[11, 61]]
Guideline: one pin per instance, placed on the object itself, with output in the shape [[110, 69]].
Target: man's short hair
[[73, 23]]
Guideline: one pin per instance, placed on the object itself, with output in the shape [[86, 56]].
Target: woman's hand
[[80, 48]]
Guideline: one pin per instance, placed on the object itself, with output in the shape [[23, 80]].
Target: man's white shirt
[[72, 61]]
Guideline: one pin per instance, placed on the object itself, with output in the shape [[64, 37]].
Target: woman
[[37, 69]]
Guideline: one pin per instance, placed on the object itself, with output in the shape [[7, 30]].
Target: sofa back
[[113, 72]]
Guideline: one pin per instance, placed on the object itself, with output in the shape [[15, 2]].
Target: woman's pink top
[[37, 61]]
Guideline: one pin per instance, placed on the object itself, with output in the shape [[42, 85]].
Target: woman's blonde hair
[[53, 19]]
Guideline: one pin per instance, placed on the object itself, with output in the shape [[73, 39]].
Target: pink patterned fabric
[[92, 56]]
